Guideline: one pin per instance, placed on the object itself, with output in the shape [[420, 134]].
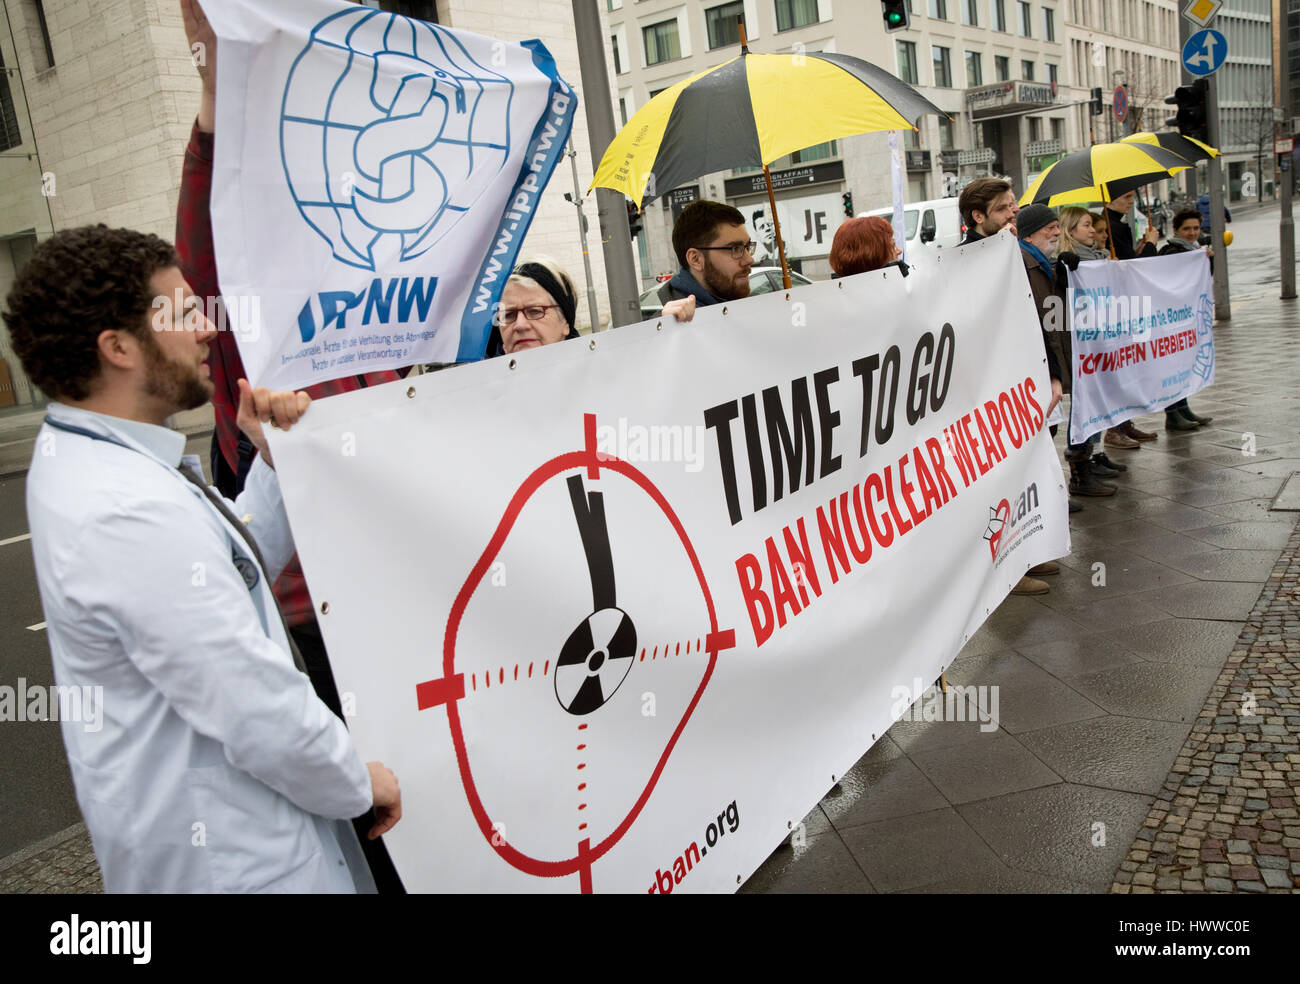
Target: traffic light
[[633, 219], [847, 198], [896, 14], [1191, 119], [1097, 106]]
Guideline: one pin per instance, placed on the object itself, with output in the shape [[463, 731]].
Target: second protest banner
[[618, 611], [1143, 337]]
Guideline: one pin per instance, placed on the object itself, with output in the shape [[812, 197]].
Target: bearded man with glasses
[[716, 254]]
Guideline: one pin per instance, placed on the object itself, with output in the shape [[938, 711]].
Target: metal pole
[[1222, 305], [611, 207], [576, 199], [1186, 77], [1282, 98]]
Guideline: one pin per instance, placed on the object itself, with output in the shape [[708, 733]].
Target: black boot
[[1075, 506], [1176, 421], [1187, 412], [1101, 470], [1082, 479], [1104, 460]]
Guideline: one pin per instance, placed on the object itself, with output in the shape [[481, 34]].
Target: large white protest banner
[[618, 611], [1142, 334], [373, 181]]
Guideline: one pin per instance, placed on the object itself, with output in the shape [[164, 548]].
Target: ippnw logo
[[390, 130]]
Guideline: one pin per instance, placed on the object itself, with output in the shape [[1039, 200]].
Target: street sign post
[[1120, 103], [1283, 145], [1204, 52]]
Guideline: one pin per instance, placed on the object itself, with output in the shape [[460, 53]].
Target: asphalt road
[[36, 797]]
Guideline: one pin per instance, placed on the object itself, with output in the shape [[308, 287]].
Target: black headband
[[546, 280]]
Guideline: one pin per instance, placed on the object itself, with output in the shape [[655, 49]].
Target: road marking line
[[36, 628], [15, 539]]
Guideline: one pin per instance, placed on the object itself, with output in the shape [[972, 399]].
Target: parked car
[[927, 226], [761, 281]]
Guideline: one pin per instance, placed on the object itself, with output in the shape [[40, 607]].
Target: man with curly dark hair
[[211, 764]]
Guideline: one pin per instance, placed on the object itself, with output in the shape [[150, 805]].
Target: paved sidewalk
[[1226, 818], [1114, 762]]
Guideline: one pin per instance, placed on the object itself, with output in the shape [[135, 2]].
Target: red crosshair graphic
[[449, 689]]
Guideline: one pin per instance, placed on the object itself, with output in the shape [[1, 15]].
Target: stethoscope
[[247, 566]]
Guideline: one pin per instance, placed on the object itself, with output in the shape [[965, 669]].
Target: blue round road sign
[[1204, 52], [1120, 103]]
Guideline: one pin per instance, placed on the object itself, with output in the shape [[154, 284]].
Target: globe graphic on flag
[[390, 131]]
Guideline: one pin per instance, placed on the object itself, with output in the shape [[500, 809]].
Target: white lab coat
[[217, 768]]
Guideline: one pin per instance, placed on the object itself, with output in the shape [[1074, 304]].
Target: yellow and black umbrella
[[1188, 148], [750, 111], [1102, 173]]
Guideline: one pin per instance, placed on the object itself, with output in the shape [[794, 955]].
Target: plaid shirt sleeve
[[194, 244]]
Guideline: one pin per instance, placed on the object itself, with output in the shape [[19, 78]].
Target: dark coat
[[1049, 300], [1122, 238]]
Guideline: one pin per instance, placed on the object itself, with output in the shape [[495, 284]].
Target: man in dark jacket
[[987, 206], [1186, 238], [1121, 236], [1039, 232], [715, 253]]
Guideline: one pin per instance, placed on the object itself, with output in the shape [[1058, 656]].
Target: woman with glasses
[[537, 307]]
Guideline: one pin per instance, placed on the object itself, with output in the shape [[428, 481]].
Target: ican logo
[[1007, 521]]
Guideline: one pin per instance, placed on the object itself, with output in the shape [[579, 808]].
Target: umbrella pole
[[776, 221], [1110, 231]]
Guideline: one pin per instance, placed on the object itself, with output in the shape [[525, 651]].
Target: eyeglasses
[[737, 250], [534, 312]]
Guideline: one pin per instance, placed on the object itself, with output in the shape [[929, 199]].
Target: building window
[[945, 133], [618, 57], [10, 135], [999, 15], [907, 68], [661, 43], [1035, 128], [818, 152], [1026, 19], [45, 34], [942, 69], [1058, 129], [1051, 74], [1002, 68], [939, 9], [970, 13], [795, 13], [622, 110], [724, 24], [974, 69], [912, 139], [1049, 24], [1027, 71], [425, 10]]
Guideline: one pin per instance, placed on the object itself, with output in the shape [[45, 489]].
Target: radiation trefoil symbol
[[545, 673]]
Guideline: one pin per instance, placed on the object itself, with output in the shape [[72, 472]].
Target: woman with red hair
[[863, 244]]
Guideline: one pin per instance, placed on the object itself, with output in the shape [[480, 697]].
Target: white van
[[927, 226]]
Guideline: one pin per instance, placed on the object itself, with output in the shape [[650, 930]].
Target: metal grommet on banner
[[410, 392], [841, 285], [592, 345], [659, 326], [789, 825], [324, 607], [787, 295], [724, 310], [513, 363]]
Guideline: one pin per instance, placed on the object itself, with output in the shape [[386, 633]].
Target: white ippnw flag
[[374, 179]]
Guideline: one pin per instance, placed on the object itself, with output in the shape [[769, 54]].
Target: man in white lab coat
[[215, 768]]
